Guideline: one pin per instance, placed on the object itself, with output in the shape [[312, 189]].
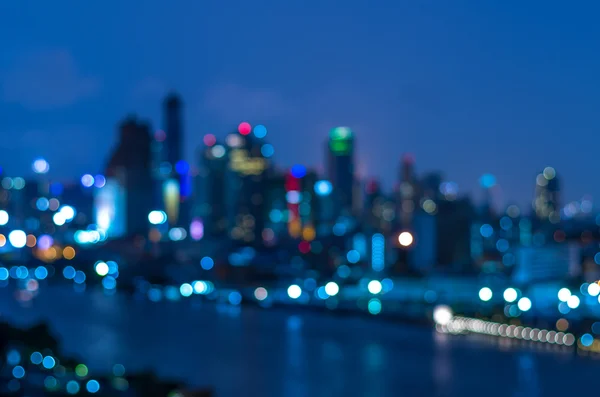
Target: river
[[281, 353]]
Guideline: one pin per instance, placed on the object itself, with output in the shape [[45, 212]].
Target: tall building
[[173, 129], [246, 182], [487, 182], [176, 180], [379, 210], [408, 191], [340, 168], [453, 235], [430, 185], [210, 189], [128, 189], [547, 196]]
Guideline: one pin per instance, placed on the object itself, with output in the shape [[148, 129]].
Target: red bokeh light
[[209, 139], [244, 128], [304, 247]]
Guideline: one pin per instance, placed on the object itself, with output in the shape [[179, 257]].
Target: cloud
[[47, 79], [231, 103]]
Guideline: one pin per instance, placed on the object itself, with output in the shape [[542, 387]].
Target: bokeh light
[[244, 128]]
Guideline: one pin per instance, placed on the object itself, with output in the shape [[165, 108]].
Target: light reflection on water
[[275, 353]]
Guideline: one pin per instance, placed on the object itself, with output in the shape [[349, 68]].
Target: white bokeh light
[[17, 238], [294, 291], [405, 239]]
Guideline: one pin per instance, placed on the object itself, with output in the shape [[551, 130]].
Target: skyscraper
[[176, 188], [210, 204], [547, 196], [407, 191], [129, 174], [246, 182], [340, 167], [173, 128]]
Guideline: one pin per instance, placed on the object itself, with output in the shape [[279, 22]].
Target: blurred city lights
[[442, 314], [331, 288], [298, 171], [17, 238], [294, 291], [510, 295], [405, 239], [209, 140], [260, 131], [573, 302], [3, 217], [186, 290], [593, 289], [267, 150], [59, 219], [87, 180], [524, 304], [40, 166], [157, 217], [485, 294], [99, 181], [92, 386], [67, 212], [564, 294], [260, 294], [323, 188], [374, 287], [244, 128], [101, 269]]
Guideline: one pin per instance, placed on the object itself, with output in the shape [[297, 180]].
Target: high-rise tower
[[173, 129], [340, 167]]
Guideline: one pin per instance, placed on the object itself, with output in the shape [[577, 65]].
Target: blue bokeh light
[[323, 188], [298, 171], [260, 131], [207, 263], [92, 386], [267, 150], [486, 230]]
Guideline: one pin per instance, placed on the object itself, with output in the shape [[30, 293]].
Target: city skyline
[[500, 97]]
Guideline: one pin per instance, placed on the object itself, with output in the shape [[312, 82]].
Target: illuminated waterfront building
[[548, 262]]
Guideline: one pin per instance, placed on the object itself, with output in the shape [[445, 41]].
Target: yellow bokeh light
[[2, 240], [308, 233], [295, 228], [68, 252]]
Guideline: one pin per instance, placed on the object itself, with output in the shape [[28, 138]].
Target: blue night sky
[[469, 87]]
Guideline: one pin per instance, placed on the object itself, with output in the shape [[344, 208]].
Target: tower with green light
[[340, 166]]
